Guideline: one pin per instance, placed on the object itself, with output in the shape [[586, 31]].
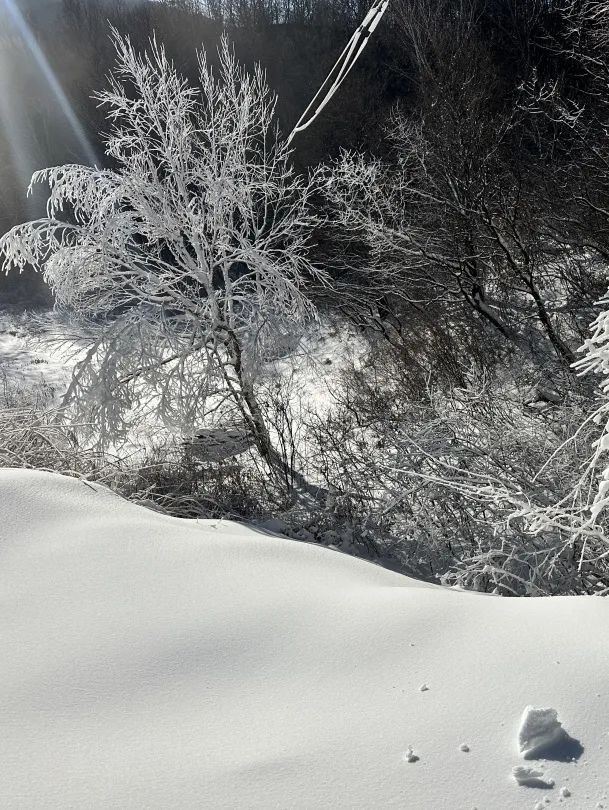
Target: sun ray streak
[[22, 29]]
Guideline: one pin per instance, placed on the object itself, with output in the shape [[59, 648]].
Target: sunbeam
[[21, 29], [10, 121]]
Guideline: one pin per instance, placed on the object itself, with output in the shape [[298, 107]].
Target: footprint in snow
[[530, 777]]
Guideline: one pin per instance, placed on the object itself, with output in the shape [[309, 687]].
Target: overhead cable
[[342, 66]]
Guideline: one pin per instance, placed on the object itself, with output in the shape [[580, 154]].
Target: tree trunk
[[248, 404], [561, 349]]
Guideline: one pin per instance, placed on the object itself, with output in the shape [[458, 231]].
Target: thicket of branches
[[481, 235], [461, 215]]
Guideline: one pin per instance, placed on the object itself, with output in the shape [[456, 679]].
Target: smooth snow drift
[[149, 662]]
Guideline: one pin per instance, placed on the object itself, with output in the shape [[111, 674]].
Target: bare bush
[[450, 482], [163, 476]]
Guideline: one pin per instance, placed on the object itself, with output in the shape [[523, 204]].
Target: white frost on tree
[[181, 262]]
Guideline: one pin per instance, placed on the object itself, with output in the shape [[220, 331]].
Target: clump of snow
[[531, 777], [464, 747], [410, 755], [423, 688], [565, 792], [539, 731]]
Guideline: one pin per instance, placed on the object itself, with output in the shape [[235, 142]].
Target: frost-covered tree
[[182, 263]]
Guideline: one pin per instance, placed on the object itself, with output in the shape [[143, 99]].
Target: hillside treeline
[[473, 53]]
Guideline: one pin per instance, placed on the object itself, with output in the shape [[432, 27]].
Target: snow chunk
[[410, 755], [530, 777], [464, 747], [539, 730], [423, 688]]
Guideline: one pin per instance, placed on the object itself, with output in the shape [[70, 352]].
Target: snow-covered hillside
[[149, 662]]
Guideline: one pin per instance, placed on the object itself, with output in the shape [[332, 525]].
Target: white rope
[[343, 65]]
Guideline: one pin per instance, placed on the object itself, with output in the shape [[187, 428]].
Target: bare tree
[[179, 265], [457, 217]]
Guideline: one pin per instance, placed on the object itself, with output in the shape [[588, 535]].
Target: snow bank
[[149, 662]]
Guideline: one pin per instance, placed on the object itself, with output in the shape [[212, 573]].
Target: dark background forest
[[422, 51]]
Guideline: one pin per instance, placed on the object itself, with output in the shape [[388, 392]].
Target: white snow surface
[[27, 353], [151, 662]]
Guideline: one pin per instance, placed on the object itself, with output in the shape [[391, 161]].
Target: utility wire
[[342, 66]]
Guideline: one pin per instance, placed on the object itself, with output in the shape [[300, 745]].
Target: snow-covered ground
[[26, 357], [31, 351], [149, 662], [41, 350]]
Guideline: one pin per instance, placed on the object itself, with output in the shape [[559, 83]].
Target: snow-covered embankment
[[149, 662]]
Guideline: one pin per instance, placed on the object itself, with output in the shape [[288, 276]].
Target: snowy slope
[[149, 662]]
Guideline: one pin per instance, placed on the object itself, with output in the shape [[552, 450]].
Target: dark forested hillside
[[422, 48]]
